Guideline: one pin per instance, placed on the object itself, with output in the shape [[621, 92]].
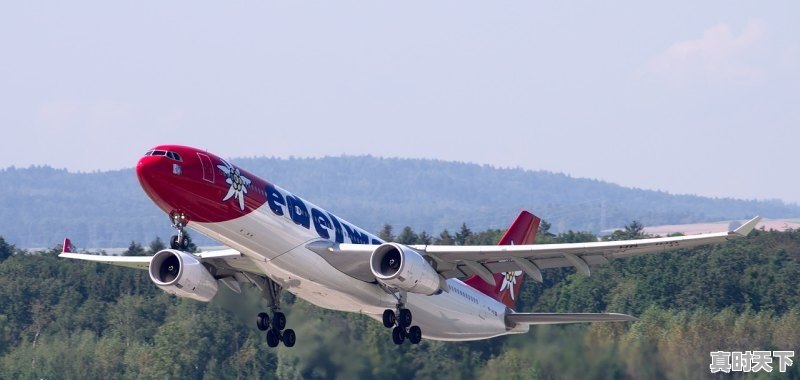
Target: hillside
[[41, 205]]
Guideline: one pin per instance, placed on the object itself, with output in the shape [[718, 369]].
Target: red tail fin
[[522, 231], [67, 247]]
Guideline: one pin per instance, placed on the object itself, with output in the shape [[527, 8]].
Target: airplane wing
[[143, 262], [513, 319], [463, 261], [136, 262]]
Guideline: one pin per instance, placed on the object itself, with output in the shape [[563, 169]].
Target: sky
[[686, 97]]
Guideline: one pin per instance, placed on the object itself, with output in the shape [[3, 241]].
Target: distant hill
[[41, 205]]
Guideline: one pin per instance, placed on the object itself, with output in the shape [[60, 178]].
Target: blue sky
[[686, 97]]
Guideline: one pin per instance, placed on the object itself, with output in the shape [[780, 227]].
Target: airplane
[[278, 241]]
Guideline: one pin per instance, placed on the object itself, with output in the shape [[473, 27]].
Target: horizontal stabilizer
[[557, 318]]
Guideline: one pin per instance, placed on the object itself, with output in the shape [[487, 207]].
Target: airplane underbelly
[[445, 317], [313, 279], [278, 251]]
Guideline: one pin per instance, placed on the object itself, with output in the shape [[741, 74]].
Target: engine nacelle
[[402, 267], [183, 275]]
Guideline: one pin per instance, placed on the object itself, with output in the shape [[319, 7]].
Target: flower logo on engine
[[510, 282], [237, 181]]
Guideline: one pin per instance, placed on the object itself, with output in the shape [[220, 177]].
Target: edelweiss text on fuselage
[[324, 222]]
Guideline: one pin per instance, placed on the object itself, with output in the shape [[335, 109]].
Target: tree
[[461, 236], [543, 234], [632, 231], [6, 250], [574, 237], [445, 238], [386, 233], [135, 249], [155, 246], [407, 236], [488, 237], [424, 238]]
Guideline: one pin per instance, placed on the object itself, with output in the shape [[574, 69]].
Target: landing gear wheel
[[279, 321], [404, 319], [398, 335], [262, 321], [271, 291], [388, 318], [273, 338], [288, 338], [414, 334], [175, 242]]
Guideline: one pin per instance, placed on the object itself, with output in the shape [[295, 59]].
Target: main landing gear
[[400, 323], [275, 325], [179, 221]]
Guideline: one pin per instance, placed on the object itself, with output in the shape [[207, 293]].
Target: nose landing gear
[[179, 221]]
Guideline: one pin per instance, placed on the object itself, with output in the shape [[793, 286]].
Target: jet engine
[[401, 267], [182, 274]]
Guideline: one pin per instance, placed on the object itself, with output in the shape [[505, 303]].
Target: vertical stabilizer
[[68, 247], [522, 231]]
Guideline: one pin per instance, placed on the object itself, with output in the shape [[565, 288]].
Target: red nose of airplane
[[198, 184]]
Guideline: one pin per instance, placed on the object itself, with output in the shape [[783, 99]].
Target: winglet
[[68, 247], [746, 228]]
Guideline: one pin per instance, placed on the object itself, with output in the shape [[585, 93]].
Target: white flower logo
[[509, 281], [237, 181]]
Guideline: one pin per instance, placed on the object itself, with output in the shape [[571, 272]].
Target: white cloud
[[719, 55]]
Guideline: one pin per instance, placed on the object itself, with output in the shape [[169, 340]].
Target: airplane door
[[208, 167]]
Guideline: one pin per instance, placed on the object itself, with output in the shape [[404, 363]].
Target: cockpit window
[[173, 155]]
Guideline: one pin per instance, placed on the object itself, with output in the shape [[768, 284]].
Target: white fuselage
[[276, 245]]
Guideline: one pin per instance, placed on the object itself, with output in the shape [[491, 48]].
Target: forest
[[61, 319]]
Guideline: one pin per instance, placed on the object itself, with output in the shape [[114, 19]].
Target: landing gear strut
[[274, 326], [179, 221], [400, 323]]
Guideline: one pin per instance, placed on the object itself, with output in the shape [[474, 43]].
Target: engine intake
[[182, 274], [399, 266]]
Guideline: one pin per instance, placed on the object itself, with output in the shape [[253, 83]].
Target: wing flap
[[560, 318]]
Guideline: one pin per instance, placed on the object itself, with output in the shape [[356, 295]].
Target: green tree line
[[65, 319]]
